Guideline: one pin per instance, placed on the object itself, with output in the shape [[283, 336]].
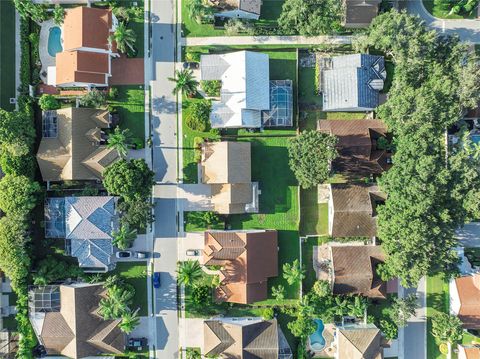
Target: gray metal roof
[[352, 82]]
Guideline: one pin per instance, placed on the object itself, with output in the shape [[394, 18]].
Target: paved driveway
[[193, 331], [191, 241]]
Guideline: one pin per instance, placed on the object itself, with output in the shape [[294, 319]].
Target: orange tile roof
[[80, 66], [469, 292]]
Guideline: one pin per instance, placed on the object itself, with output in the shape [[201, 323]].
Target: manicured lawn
[[271, 9], [137, 25], [307, 89], [7, 54], [192, 28], [437, 301], [130, 104], [194, 222], [307, 260], [314, 218], [443, 13], [135, 273]]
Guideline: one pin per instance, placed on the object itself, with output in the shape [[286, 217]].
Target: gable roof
[[354, 210], [360, 13], [242, 340], [74, 154], [76, 331], [248, 259], [359, 342], [468, 289], [245, 88], [82, 66], [354, 270], [358, 154], [352, 82]]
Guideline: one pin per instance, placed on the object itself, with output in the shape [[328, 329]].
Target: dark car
[[156, 279], [123, 254], [191, 65], [137, 344]]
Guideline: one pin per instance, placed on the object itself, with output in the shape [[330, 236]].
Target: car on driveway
[[191, 65], [156, 279], [140, 255], [192, 252], [123, 254], [137, 344]]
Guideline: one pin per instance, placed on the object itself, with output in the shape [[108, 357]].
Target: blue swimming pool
[[317, 341], [54, 41], [475, 138]]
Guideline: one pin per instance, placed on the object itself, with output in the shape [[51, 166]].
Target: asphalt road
[[415, 333]]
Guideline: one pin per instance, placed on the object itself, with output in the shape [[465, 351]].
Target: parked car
[[156, 279], [193, 252], [140, 255], [137, 344], [123, 254], [191, 65]]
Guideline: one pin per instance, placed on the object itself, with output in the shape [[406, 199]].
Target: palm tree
[[121, 13], [124, 237], [107, 309], [293, 272], [189, 272], [185, 82], [197, 10], [119, 140], [111, 281], [357, 308], [124, 37], [129, 321], [278, 292], [340, 306]]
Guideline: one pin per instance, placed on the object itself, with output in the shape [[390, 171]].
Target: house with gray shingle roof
[[351, 82], [238, 9], [359, 341], [87, 224]]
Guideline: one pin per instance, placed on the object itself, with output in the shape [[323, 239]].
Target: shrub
[[211, 87], [268, 313], [112, 93], [18, 195], [197, 144], [389, 329], [198, 118], [192, 56], [201, 295], [93, 99], [58, 14], [48, 102], [52, 269], [17, 165], [138, 143]]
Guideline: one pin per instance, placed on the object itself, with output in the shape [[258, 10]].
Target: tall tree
[[124, 237], [18, 195], [120, 140], [17, 133], [197, 10], [188, 272], [184, 82], [447, 328], [124, 37], [293, 272], [130, 321], [402, 309]]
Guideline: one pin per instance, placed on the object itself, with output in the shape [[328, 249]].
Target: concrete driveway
[[193, 330], [469, 235], [195, 197], [194, 240]]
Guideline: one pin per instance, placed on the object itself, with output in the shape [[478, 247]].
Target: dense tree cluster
[[430, 193]]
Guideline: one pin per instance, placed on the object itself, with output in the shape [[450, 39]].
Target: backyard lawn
[[7, 54], [135, 273], [191, 28], [130, 104], [437, 301], [314, 218], [194, 222], [307, 91], [307, 260]]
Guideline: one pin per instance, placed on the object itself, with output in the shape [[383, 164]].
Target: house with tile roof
[[359, 341], [245, 338], [66, 321], [354, 270], [87, 49], [351, 82], [358, 146], [465, 300], [87, 224], [466, 351], [359, 13], [226, 167], [247, 259], [352, 210], [73, 145], [237, 9]]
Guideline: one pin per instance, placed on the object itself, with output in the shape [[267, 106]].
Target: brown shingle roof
[[354, 270], [356, 145], [359, 343], [354, 210], [469, 293], [72, 155], [360, 13], [248, 259]]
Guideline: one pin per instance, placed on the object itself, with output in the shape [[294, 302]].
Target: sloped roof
[[82, 66], [75, 331], [360, 13], [251, 6], [243, 340], [468, 351], [248, 259], [352, 82], [226, 162], [469, 293], [359, 342], [245, 88], [358, 154], [73, 155], [354, 210], [354, 270]]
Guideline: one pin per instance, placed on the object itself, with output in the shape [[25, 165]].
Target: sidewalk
[[266, 40]]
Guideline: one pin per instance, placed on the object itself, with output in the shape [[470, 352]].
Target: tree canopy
[[447, 327], [16, 133], [18, 195]]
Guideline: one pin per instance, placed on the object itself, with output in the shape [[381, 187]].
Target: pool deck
[[329, 349], [45, 57]]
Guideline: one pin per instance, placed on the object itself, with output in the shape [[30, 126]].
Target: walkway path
[[467, 29], [266, 40]]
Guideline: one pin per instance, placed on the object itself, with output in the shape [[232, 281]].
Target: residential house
[[468, 351], [351, 82], [359, 341], [66, 321], [247, 258], [360, 151], [87, 224], [87, 49], [226, 167], [465, 300], [352, 210], [354, 270], [73, 145], [245, 338], [238, 9], [360, 13]]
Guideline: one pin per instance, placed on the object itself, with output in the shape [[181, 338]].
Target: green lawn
[[443, 13], [307, 260], [314, 219], [194, 222], [135, 273], [307, 94], [191, 28], [130, 104], [137, 26], [437, 301], [7, 54]]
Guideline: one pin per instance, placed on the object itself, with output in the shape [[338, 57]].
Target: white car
[[192, 252]]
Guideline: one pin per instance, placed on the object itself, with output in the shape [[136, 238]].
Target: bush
[[58, 14], [197, 144], [138, 143], [112, 93], [192, 56], [198, 118], [53, 269], [93, 99], [48, 102], [201, 295], [17, 165], [18, 195], [268, 313], [211, 87], [389, 329]]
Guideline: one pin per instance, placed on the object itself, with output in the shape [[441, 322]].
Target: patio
[[45, 58], [329, 349]]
